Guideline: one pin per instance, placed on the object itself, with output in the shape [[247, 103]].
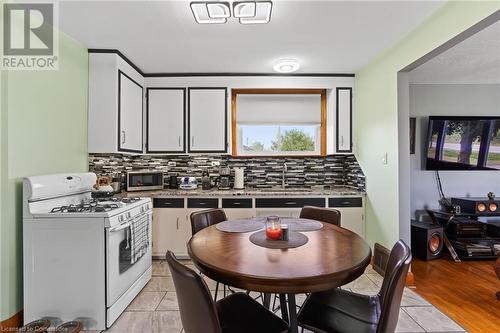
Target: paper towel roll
[[239, 179]]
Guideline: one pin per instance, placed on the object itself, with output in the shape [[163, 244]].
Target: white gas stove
[[84, 258]]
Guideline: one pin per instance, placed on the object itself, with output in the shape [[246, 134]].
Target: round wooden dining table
[[332, 257]]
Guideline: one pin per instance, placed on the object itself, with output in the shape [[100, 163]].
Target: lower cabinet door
[[169, 229], [352, 218], [281, 212], [239, 213]]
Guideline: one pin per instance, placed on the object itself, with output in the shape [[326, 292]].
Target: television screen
[[463, 143]]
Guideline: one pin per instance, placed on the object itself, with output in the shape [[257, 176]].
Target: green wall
[[43, 129], [376, 110]]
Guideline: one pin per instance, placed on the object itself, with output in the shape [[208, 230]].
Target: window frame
[[323, 130]]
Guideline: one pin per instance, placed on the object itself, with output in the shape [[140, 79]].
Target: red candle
[[273, 233]]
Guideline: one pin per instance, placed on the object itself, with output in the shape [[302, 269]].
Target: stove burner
[[90, 207]]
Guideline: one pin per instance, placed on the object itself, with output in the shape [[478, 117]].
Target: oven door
[[120, 274]]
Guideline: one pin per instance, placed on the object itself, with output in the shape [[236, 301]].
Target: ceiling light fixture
[[248, 12], [263, 11], [244, 9], [286, 66], [202, 16], [218, 9]]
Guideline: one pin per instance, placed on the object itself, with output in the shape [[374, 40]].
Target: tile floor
[[155, 309]]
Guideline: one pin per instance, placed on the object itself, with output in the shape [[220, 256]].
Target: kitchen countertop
[[249, 192]]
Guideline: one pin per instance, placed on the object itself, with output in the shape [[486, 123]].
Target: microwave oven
[[144, 180]]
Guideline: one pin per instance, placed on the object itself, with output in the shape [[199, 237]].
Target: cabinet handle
[[192, 141], [179, 141], [123, 137], [177, 223], [342, 140], [290, 203], [236, 203]]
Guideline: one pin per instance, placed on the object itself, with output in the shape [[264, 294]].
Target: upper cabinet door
[[207, 120], [130, 103], [165, 120], [344, 120]]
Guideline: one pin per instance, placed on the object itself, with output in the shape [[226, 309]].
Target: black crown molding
[[217, 73]]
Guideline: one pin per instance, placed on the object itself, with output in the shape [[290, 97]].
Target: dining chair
[[236, 313], [343, 311], [326, 215], [203, 219]]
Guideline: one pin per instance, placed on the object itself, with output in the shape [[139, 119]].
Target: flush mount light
[[218, 10], [263, 11], [244, 9], [202, 16], [286, 66], [248, 12]]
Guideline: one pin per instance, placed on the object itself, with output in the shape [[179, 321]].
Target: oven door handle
[[120, 227]]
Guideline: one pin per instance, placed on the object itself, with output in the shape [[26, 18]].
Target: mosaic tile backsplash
[[302, 172]]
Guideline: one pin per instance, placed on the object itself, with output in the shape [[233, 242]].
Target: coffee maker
[[224, 178]]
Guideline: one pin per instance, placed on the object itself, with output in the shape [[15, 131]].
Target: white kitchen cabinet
[[115, 105], [351, 213], [165, 115], [171, 227], [130, 103], [239, 213], [344, 120], [352, 219], [281, 212], [168, 229], [207, 120]]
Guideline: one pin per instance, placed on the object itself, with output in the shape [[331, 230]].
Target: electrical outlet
[[171, 164], [215, 163]]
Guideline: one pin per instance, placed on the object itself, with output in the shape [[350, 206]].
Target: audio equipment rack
[[466, 237]]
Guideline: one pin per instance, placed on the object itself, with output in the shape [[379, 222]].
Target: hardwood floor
[[463, 291]]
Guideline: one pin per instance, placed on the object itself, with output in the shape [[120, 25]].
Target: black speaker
[[426, 240]]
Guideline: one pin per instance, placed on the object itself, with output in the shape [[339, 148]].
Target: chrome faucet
[[285, 169]]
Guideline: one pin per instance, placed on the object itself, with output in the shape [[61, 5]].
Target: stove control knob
[[120, 218], [147, 206], [129, 215], [142, 209]]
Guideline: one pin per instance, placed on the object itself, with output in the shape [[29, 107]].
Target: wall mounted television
[[463, 143]]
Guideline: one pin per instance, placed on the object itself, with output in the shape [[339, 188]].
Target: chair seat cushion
[[240, 313], [338, 311]]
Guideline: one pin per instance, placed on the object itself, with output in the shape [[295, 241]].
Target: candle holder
[[273, 228]]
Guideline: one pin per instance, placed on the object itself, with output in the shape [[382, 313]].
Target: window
[[278, 122]]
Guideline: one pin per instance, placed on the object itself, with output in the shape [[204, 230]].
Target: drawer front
[[168, 203], [203, 203], [345, 202], [288, 202], [236, 203]]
